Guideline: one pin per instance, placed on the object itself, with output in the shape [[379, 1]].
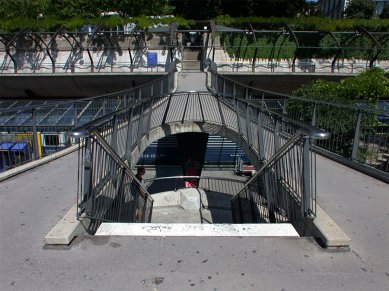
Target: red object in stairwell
[[192, 182]]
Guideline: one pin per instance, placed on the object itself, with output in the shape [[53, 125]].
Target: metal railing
[[261, 131], [284, 189], [214, 184], [359, 134], [107, 189], [30, 132], [290, 51]]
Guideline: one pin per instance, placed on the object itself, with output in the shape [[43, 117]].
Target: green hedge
[[298, 23], [305, 23], [52, 24]]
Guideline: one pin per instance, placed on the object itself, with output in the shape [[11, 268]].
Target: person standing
[[138, 193]]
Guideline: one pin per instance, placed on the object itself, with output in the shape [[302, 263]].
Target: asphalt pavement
[[33, 202]]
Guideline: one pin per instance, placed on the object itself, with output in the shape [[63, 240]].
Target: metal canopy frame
[[341, 45], [79, 42]]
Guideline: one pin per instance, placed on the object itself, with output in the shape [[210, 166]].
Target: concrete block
[[169, 198], [327, 231], [190, 199], [67, 228]]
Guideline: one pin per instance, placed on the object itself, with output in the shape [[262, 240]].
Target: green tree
[[23, 8], [360, 9], [65, 9], [368, 86], [205, 9]]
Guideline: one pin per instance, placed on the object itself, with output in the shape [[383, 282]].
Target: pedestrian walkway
[[191, 82], [31, 203]]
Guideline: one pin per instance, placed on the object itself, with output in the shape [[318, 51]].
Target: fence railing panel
[[41, 126], [359, 133]]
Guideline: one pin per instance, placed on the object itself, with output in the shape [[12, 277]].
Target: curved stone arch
[[192, 126]]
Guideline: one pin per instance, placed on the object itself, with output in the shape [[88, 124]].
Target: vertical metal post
[[221, 112], [263, 100], [87, 195], [238, 117], [248, 125], [261, 146], [129, 136], [357, 135], [125, 99], [277, 139], [35, 143], [114, 141], [313, 122], [104, 107], [120, 193], [234, 90], [161, 85], [306, 199], [224, 86], [140, 127], [75, 115], [147, 129]]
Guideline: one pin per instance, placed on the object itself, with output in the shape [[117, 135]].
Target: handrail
[[283, 96], [190, 177], [276, 156], [118, 160], [357, 141], [311, 131], [84, 99]]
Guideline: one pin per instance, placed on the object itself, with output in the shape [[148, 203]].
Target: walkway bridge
[[279, 147], [115, 129]]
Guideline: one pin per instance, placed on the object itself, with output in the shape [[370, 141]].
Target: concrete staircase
[[194, 212], [191, 205], [191, 60]]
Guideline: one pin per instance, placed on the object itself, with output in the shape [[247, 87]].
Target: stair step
[[197, 230]]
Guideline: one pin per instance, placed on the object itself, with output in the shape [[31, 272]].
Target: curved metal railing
[[359, 134], [260, 131], [41, 128], [214, 184]]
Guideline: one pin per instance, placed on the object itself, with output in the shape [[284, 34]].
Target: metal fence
[[92, 50], [30, 132], [261, 131], [283, 190], [359, 134], [214, 184], [290, 51], [109, 191]]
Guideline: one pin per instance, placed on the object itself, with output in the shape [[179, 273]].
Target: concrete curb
[[67, 228], [327, 231], [31, 165]]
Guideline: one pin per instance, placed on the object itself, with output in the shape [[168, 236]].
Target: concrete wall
[[70, 85]]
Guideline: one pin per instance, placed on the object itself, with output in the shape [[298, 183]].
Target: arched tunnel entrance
[[184, 200], [277, 146]]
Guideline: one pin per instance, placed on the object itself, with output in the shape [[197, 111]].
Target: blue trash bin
[[20, 152], [6, 159], [152, 60]]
